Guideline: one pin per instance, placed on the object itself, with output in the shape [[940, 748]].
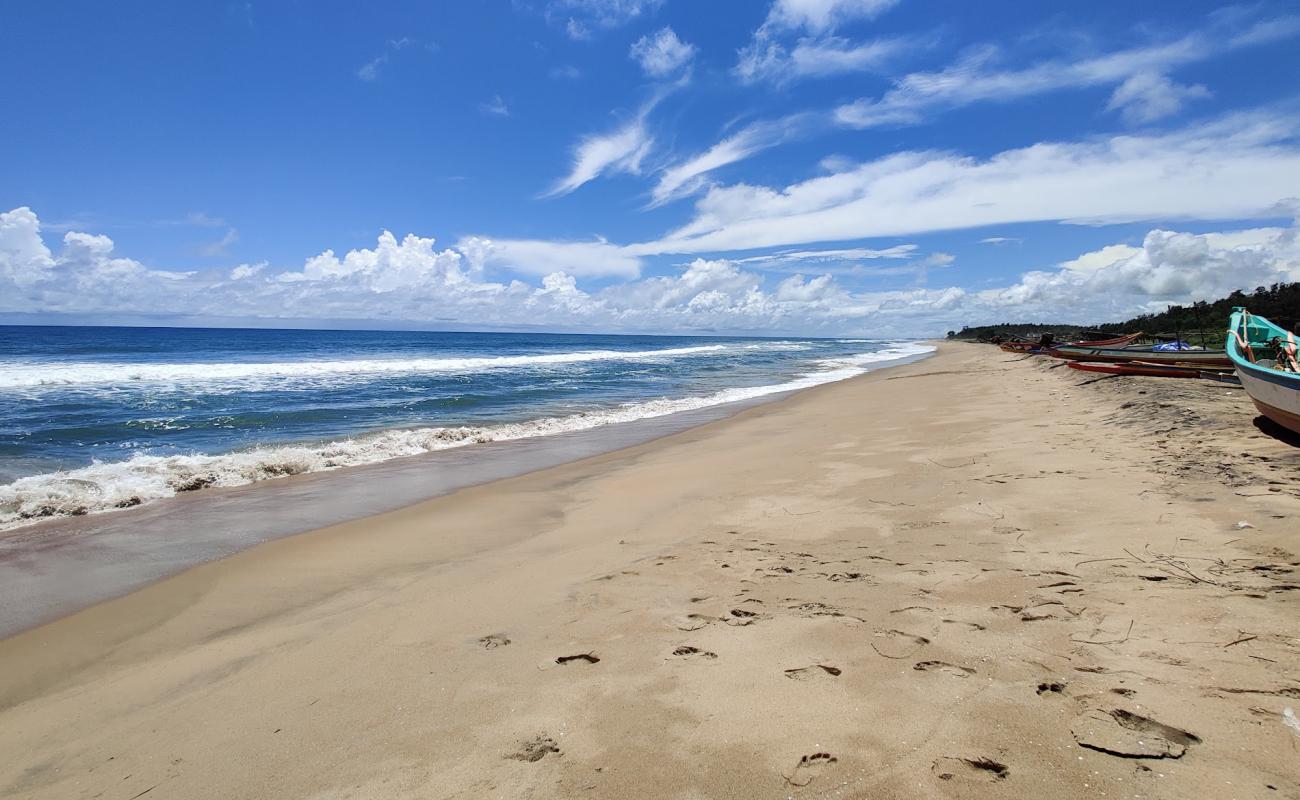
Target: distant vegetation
[[1280, 303]]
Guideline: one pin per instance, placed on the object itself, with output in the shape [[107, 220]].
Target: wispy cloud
[[1235, 167], [495, 107], [689, 176], [772, 56], [581, 19], [369, 71], [821, 16], [1001, 240], [819, 256], [1149, 96], [621, 150], [565, 72], [221, 247], [1145, 92]]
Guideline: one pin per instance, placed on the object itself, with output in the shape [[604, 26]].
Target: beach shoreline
[[52, 568], [970, 576]]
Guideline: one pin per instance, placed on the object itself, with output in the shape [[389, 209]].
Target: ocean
[[94, 419]]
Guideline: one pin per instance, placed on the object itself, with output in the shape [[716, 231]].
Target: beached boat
[[1150, 370], [1265, 357], [1195, 358], [1026, 346], [1118, 341]]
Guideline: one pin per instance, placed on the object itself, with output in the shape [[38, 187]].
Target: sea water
[[94, 419]]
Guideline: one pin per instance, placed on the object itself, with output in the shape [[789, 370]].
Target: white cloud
[[1234, 168], [621, 150], [410, 281], [662, 53], [770, 56], [582, 18], [243, 271], [495, 107], [531, 257], [1170, 267], [978, 77], [24, 258], [1148, 96], [687, 177], [1001, 240], [840, 255], [765, 59], [821, 16]]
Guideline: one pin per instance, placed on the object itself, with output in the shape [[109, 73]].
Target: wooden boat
[[1265, 358], [1118, 341], [1115, 355], [1025, 346], [1148, 369]]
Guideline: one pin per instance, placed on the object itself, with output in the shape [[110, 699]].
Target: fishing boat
[[1151, 370], [1194, 358], [1265, 358], [1026, 346], [1118, 341]]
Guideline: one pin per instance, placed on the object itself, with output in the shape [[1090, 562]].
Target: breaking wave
[[105, 486], [19, 375]]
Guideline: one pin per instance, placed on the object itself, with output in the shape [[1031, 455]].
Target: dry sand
[[975, 576]]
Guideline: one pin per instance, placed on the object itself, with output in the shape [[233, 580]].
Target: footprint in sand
[[493, 641], [691, 622], [981, 769], [739, 617], [1051, 687], [809, 767], [897, 644], [686, 651], [1122, 733], [943, 666], [813, 672], [535, 749]]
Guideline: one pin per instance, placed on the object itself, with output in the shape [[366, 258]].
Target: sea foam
[[23, 375], [106, 486]]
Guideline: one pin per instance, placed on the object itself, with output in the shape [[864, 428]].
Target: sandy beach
[[979, 575]]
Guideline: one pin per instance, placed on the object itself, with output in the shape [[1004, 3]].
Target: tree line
[[1280, 303]]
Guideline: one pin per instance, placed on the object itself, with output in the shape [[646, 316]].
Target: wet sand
[[974, 576]]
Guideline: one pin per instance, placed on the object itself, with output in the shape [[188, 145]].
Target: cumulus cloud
[[1169, 267], [1144, 92], [662, 54], [411, 281]]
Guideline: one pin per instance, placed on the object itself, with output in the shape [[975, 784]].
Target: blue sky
[[796, 166]]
